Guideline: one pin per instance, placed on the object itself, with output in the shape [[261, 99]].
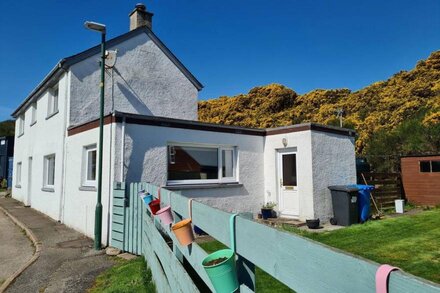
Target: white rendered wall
[[43, 138], [143, 81], [301, 141], [79, 203], [333, 164], [146, 160]]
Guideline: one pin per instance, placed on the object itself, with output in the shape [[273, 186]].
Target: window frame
[[430, 166], [21, 124], [18, 174], [33, 113], [46, 171], [85, 162], [220, 178], [51, 109]]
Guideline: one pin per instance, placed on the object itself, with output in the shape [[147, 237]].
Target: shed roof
[[65, 63]]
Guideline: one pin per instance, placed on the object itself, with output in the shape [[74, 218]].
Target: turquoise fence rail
[[301, 264]]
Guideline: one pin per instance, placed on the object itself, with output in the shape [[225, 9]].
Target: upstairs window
[[53, 101], [34, 113], [429, 166], [89, 166], [21, 125], [49, 171], [188, 164]]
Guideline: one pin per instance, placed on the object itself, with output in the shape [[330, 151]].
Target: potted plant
[[267, 209]]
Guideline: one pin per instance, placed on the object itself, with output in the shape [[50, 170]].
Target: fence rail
[[302, 264]]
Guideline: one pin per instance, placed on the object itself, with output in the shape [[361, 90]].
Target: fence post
[[245, 268]]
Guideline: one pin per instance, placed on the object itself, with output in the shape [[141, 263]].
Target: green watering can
[[220, 266]]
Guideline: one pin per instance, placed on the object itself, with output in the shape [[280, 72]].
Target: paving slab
[[67, 262], [15, 248]]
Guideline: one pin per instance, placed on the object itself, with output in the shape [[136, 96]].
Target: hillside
[[377, 108], [7, 128]]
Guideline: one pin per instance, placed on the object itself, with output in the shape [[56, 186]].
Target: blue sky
[[230, 46]]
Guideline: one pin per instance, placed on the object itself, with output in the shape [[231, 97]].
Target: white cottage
[[151, 133]]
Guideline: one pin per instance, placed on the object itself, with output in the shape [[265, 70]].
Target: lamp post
[[94, 26]]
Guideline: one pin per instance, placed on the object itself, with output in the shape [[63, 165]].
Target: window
[[429, 166], [201, 164], [53, 101], [21, 125], [89, 166], [18, 175], [289, 170], [34, 113], [49, 171]]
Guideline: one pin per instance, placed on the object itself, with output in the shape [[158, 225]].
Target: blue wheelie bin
[[364, 201]]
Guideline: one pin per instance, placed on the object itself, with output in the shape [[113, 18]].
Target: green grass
[[126, 276], [409, 242], [263, 281]]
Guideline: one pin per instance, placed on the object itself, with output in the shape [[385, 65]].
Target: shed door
[[288, 184]]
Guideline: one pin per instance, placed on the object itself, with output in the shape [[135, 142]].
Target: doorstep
[[279, 222]]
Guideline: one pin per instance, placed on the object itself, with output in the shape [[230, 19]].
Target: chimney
[[140, 17]]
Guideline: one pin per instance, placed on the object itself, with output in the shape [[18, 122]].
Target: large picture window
[[192, 164]]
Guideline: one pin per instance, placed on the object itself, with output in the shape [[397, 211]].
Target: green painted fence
[[302, 264]]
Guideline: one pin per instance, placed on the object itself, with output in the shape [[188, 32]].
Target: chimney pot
[[140, 17]]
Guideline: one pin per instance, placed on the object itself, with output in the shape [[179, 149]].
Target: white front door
[[288, 183]]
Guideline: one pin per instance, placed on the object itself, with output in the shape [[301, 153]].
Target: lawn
[[125, 276], [264, 282], [411, 243]]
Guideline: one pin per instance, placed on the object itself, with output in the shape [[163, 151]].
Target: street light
[[94, 26]]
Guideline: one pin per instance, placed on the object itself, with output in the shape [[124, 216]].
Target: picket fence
[[302, 264]]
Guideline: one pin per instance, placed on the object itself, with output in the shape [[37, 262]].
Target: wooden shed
[[421, 179]]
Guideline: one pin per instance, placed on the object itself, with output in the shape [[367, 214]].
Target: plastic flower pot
[[266, 213], [148, 198], [221, 270], [165, 215], [183, 232], [154, 206]]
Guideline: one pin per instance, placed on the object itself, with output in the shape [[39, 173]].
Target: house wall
[[79, 202], [43, 138], [301, 142], [143, 81], [145, 159], [420, 188], [333, 163]]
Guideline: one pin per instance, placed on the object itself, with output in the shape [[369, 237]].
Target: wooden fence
[[302, 264], [388, 187]]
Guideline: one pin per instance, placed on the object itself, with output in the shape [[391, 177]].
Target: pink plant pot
[[165, 215]]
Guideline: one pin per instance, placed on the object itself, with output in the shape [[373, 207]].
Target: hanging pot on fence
[[221, 270], [154, 206], [165, 215], [220, 265], [183, 232], [147, 198]]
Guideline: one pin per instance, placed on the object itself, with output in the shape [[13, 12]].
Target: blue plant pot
[[266, 213]]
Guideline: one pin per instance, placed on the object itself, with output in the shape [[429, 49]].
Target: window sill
[[33, 123], [47, 189], [51, 115], [203, 186], [87, 188], [18, 186]]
